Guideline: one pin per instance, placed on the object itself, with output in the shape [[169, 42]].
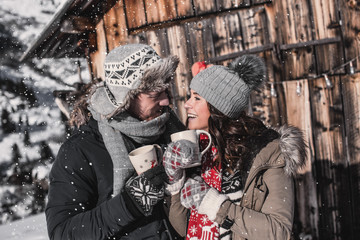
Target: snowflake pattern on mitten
[[144, 193]]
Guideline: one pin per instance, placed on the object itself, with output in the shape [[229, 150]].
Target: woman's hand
[[178, 156], [197, 195], [193, 192]]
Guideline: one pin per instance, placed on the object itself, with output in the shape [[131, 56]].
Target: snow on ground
[[30, 228]]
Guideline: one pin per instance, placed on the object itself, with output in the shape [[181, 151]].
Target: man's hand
[[147, 189]]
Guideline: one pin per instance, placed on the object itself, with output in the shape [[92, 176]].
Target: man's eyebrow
[[153, 94]]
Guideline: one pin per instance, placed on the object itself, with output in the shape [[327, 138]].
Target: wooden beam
[[254, 50], [76, 25], [310, 43]]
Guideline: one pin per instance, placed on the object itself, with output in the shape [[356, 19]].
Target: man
[[92, 181]]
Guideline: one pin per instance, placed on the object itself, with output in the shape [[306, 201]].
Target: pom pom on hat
[[198, 67], [228, 88], [251, 70]]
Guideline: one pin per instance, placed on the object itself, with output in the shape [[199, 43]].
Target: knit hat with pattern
[[129, 70], [228, 88]]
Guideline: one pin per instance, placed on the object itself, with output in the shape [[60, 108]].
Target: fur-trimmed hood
[[293, 148], [287, 151]]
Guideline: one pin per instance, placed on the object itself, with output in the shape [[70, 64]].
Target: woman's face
[[197, 112]]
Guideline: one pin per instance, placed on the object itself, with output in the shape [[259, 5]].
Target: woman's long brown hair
[[233, 138]]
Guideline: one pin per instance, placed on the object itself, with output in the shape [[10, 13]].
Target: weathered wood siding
[[300, 40]]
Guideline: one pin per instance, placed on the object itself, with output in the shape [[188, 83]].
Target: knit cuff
[[211, 203], [174, 188]]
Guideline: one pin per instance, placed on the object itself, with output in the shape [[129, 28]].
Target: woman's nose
[[187, 104]]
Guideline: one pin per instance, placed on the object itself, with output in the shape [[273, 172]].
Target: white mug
[[192, 136], [145, 157]]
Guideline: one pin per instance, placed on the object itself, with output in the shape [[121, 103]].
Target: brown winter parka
[[266, 209]]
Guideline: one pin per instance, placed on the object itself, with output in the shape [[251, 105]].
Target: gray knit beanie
[[228, 88], [129, 70]]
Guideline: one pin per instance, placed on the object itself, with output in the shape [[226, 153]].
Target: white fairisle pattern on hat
[[128, 71]]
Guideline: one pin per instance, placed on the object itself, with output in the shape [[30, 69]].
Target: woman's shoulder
[[289, 150]]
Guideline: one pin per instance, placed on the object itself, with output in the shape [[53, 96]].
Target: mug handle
[[210, 141], [159, 153]]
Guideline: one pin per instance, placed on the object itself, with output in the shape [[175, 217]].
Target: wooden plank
[[256, 2], [115, 26], [199, 40], [350, 15], [98, 57], [351, 95], [253, 27], [160, 10], [331, 162], [326, 25], [139, 37], [277, 105], [184, 8], [226, 34], [264, 106], [298, 110], [230, 4], [202, 6], [294, 25], [208, 41], [158, 40], [135, 13], [177, 38], [260, 101]]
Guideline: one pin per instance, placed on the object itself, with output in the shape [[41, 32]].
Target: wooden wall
[[300, 40]]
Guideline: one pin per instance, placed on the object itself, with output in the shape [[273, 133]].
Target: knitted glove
[[193, 192], [146, 190], [196, 194], [178, 156]]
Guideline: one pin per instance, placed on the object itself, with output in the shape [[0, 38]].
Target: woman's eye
[[197, 98]]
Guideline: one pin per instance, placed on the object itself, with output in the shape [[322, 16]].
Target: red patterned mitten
[[178, 156], [193, 192], [196, 194]]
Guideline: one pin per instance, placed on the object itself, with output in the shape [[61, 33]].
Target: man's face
[[149, 105]]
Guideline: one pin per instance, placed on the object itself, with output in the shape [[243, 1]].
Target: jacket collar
[[288, 151]]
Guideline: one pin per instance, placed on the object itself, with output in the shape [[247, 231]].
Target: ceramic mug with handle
[[193, 136], [145, 157]]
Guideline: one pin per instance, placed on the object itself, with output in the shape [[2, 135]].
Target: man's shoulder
[[82, 138]]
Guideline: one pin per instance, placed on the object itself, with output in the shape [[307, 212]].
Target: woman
[[245, 187]]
